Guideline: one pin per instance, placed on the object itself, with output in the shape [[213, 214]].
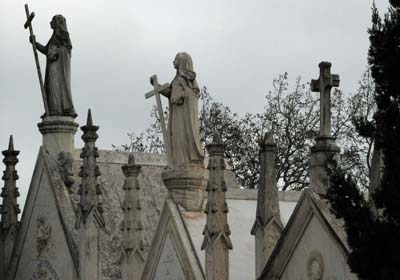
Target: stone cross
[[156, 91], [28, 23], [324, 85]]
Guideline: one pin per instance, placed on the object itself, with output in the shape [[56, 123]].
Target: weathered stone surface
[[187, 185], [132, 246], [9, 208], [90, 220], [267, 227], [44, 233], [241, 219], [58, 134], [325, 148], [169, 267], [217, 242], [313, 243], [324, 85], [322, 152], [111, 182], [172, 254], [183, 124]]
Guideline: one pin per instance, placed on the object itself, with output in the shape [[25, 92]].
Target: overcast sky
[[238, 47]]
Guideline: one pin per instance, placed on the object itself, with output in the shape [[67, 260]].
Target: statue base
[[187, 185], [325, 149], [58, 134]]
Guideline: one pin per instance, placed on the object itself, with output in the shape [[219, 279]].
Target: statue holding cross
[[324, 85], [182, 138], [56, 89]]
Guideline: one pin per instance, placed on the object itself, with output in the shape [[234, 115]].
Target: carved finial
[[89, 130], [11, 144], [323, 85], [89, 121], [216, 137], [10, 208], [90, 190], [90, 217], [268, 139], [216, 147], [131, 159], [133, 239], [267, 226], [216, 229]]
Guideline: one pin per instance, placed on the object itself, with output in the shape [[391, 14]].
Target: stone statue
[[183, 124], [57, 84]]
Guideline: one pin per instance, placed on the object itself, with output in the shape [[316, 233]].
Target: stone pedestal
[[187, 185], [321, 152], [58, 134]]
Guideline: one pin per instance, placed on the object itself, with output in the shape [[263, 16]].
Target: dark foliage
[[374, 236], [293, 116]]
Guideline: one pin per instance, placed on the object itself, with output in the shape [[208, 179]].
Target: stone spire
[[217, 242], [267, 227], [90, 219], [325, 147], [133, 258], [9, 208]]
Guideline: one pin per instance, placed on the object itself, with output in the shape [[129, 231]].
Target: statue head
[[183, 62], [184, 66], [58, 22], [60, 36]]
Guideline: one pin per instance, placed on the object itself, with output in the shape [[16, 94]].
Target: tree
[[292, 115], [374, 236]]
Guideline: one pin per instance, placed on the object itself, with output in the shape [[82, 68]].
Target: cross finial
[[324, 85]]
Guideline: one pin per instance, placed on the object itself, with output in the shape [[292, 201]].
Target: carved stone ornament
[[271, 238], [65, 161], [43, 235], [44, 271], [315, 266]]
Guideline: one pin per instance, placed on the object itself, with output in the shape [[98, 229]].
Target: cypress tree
[[375, 238]]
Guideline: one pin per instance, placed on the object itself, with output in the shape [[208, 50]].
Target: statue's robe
[[57, 82], [183, 125]]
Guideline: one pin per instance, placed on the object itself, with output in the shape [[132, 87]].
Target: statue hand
[[53, 57], [180, 101], [52, 53], [31, 39]]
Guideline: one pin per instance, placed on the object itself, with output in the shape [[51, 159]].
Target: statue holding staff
[[57, 84]]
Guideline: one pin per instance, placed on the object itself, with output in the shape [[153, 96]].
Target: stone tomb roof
[[241, 202]]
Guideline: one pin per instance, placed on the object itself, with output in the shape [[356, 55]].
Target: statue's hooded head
[[184, 66], [60, 36]]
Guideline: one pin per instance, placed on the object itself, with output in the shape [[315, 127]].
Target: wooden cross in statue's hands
[[156, 91], [324, 85]]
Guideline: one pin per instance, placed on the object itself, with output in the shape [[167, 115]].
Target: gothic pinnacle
[[10, 208], [11, 143], [90, 190], [89, 121]]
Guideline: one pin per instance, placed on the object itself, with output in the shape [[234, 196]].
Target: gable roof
[[173, 226], [45, 167], [310, 204]]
